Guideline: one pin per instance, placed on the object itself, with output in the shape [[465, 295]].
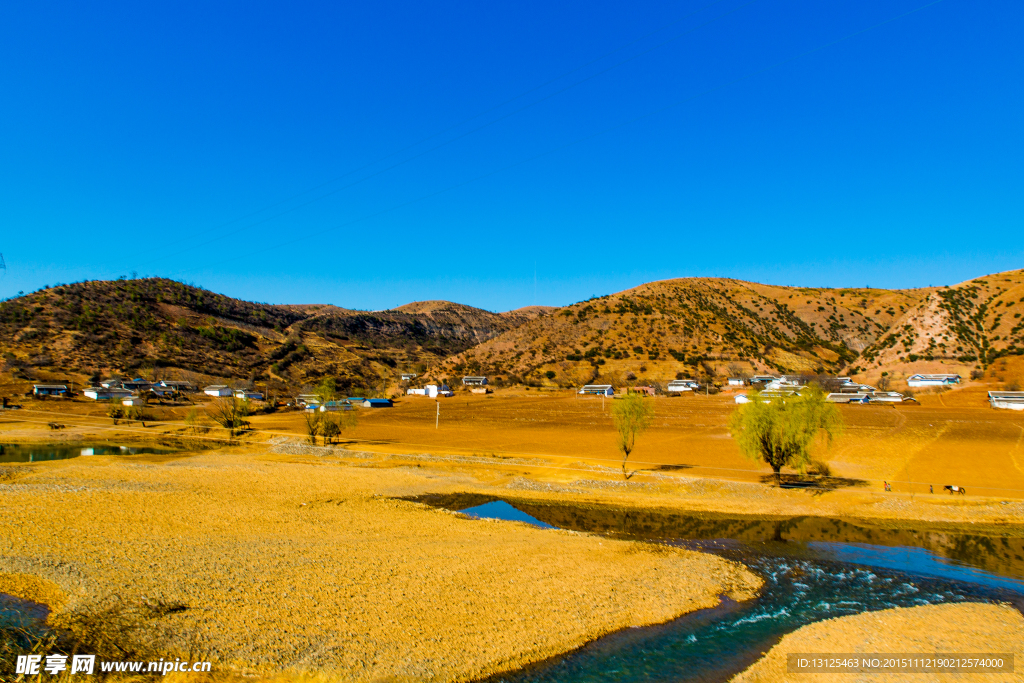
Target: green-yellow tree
[[781, 430], [632, 416]]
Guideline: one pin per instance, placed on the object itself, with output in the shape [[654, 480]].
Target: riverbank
[[961, 628], [269, 563]]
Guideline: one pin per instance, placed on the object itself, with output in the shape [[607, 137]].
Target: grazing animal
[[956, 489], [55, 425]]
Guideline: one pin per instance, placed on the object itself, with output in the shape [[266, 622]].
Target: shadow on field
[[814, 484]]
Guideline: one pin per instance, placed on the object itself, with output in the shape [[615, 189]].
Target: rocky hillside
[[168, 328], [954, 329], [694, 326]]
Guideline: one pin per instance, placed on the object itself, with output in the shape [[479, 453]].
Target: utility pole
[[437, 418]]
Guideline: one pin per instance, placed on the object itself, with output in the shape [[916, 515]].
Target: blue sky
[[506, 154]]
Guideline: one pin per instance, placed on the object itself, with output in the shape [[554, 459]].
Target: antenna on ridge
[[3, 267]]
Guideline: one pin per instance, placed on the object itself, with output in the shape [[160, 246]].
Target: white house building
[[932, 380], [736, 382], [431, 390], [598, 390], [1007, 400], [177, 385], [247, 395], [105, 394], [49, 390], [474, 381], [217, 390], [406, 376], [677, 386], [848, 397], [131, 401]]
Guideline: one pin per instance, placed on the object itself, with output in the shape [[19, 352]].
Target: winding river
[[814, 568]]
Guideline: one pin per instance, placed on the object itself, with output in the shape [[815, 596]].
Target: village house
[[177, 385], [598, 390], [377, 403], [329, 407], [677, 386], [217, 390], [49, 390], [736, 381], [1007, 400], [133, 401], [431, 390], [932, 380], [474, 381], [248, 395], [407, 376], [106, 394], [136, 385]]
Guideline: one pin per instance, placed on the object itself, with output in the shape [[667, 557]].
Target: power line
[[586, 138]]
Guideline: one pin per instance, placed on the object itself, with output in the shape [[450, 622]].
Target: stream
[[814, 568]]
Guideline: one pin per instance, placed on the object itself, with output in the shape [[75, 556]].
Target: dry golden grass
[[963, 628], [293, 563]]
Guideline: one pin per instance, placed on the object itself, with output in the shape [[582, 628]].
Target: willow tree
[[632, 416], [782, 430]]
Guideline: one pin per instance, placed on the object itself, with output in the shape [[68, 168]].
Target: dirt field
[[965, 628], [949, 439], [298, 563]]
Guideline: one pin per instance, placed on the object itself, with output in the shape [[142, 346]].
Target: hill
[[160, 326], [712, 327], [956, 328]]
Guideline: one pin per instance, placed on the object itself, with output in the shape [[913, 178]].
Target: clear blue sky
[[371, 154]]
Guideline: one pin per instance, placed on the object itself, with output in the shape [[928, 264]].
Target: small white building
[[736, 382], [431, 390], [177, 385], [247, 395], [932, 380], [217, 390], [406, 376], [598, 390], [112, 383], [105, 394], [680, 385], [132, 401], [474, 381], [49, 390], [1007, 400], [742, 398], [847, 397]]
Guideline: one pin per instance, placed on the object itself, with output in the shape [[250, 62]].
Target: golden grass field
[[299, 563], [292, 559]]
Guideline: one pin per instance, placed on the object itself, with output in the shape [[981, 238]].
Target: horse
[[956, 489]]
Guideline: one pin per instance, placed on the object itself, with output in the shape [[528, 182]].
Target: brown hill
[[693, 326], [159, 326], [954, 329]]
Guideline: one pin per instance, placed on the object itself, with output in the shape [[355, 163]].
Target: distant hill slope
[[972, 323], [694, 324], [105, 327]]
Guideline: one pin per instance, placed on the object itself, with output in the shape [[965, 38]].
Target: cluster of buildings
[[847, 391], [132, 391], [477, 385], [313, 403]]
